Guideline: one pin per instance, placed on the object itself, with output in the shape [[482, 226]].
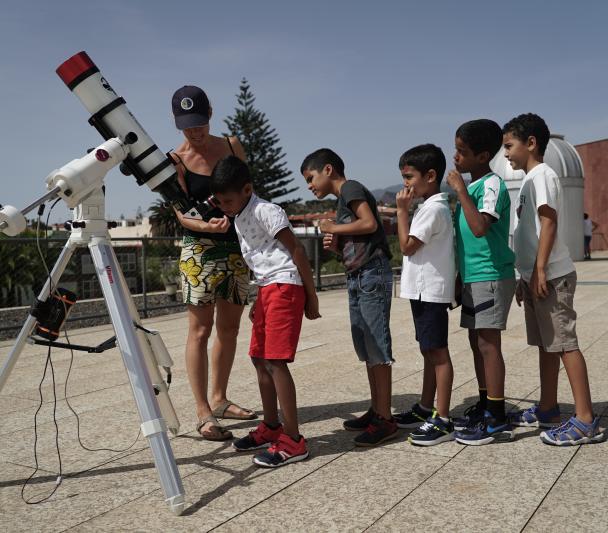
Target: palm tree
[[163, 220]]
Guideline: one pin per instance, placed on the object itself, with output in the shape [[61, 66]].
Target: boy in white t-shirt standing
[[286, 292], [428, 279], [547, 285]]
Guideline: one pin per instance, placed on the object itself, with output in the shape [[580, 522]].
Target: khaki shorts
[[486, 304], [551, 321]]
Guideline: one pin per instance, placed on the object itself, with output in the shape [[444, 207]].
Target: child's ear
[[483, 157], [531, 143], [248, 189], [328, 169], [431, 175]]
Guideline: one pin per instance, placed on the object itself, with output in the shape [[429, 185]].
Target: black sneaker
[[433, 431], [472, 416], [360, 423], [413, 418], [378, 431]]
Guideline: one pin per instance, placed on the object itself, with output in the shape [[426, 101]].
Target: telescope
[[80, 184]]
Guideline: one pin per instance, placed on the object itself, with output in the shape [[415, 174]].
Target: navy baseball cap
[[190, 107]]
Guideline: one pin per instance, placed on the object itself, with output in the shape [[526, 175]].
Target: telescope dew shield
[[111, 117]]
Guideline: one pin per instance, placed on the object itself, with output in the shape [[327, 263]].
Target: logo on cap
[[187, 104]]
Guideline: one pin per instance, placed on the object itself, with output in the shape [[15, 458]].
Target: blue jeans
[[369, 302]]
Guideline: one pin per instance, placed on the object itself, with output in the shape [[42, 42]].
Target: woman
[[214, 275]]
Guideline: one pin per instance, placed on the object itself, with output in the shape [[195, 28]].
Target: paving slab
[[517, 485]]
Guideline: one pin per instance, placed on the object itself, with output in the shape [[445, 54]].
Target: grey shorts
[[486, 304], [551, 321]]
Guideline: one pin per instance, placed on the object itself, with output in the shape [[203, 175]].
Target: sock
[[483, 398], [446, 420], [496, 406]]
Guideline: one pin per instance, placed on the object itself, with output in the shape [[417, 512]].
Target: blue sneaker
[[433, 431], [574, 432], [534, 417], [485, 432], [470, 418]]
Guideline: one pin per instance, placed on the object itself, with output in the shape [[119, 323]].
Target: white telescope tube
[[111, 117]]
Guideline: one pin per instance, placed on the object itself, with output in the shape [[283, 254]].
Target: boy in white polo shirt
[[547, 284], [427, 279], [286, 292]]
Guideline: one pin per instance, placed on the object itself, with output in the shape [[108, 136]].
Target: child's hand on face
[[330, 242], [404, 198], [326, 226], [311, 308], [455, 181]]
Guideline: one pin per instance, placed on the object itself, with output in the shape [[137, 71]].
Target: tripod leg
[[28, 327], [118, 300]]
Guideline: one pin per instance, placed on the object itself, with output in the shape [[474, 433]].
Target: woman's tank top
[[198, 188]]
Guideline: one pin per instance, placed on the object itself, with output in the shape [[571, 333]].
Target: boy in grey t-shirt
[[358, 236]]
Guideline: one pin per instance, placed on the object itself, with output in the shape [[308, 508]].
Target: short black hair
[[230, 174], [423, 158], [481, 135], [529, 125], [321, 157]]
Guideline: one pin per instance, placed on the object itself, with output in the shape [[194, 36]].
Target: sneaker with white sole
[[286, 450], [433, 431]]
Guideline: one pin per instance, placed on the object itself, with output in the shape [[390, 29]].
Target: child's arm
[[298, 254], [408, 243], [548, 231], [365, 223], [478, 222]]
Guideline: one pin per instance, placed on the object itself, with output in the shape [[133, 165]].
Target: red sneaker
[[284, 451], [261, 437]]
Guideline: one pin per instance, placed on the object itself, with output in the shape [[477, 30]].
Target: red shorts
[[277, 321]]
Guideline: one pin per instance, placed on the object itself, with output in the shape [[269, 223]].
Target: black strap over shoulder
[[230, 145]]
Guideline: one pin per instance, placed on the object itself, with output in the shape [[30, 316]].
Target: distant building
[[594, 155], [137, 228]]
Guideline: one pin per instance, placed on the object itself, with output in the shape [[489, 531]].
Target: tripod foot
[[177, 504]]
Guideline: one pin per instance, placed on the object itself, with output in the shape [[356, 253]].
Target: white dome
[[560, 155]]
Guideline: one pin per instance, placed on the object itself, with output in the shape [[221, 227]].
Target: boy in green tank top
[[486, 265]]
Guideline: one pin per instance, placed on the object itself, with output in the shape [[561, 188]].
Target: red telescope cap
[[74, 70]]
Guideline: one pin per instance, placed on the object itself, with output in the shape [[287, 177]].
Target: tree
[[164, 221], [261, 143]]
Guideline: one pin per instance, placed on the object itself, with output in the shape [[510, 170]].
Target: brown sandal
[[224, 434], [220, 412]]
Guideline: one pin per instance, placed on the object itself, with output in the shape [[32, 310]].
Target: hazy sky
[[368, 79]]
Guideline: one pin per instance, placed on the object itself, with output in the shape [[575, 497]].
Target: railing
[[149, 265]]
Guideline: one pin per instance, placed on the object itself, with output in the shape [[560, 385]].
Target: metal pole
[[144, 273], [317, 260]]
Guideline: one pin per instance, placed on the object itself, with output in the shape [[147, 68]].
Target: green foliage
[[164, 221], [261, 143], [311, 206]]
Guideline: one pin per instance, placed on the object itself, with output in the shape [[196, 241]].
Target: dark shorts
[[431, 323]]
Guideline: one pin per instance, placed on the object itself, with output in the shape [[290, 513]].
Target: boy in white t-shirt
[[428, 279], [286, 292], [547, 284]]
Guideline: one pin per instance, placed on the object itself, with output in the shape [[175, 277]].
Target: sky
[[367, 79]]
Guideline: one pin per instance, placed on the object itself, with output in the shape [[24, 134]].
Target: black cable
[[76, 414]]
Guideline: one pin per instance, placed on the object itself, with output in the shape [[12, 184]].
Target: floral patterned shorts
[[211, 270]]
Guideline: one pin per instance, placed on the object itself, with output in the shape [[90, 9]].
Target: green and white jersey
[[486, 258]]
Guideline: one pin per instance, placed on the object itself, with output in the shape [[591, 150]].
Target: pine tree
[[265, 157]]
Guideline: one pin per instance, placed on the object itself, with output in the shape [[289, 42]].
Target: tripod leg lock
[[152, 427]]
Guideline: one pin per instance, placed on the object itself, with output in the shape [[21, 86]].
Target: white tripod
[[142, 350]]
